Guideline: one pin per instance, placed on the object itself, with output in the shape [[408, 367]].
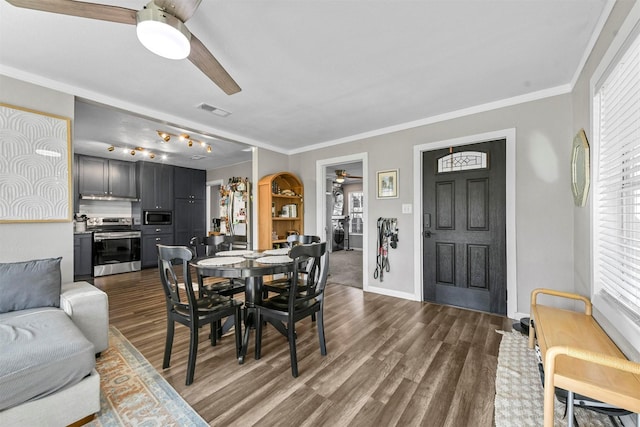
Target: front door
[[464, 226]]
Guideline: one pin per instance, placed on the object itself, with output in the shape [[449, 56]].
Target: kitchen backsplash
[[105, 208]]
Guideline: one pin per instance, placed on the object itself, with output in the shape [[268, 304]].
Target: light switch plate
[[406, 208]]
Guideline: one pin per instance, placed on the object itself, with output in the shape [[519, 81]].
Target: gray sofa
[[49, 335]]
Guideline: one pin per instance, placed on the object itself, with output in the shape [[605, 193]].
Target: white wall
[[22, 242], [243, 170], [544, 204]]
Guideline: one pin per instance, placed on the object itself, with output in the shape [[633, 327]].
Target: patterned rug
[[519, 392], [133, 393]]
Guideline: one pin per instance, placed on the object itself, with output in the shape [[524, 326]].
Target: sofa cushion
[[30, 284], [42, 352]]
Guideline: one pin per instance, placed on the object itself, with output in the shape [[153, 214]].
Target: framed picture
[[387, 184], [35, 161]]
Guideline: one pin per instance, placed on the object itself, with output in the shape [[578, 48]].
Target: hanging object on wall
[[387, 236]]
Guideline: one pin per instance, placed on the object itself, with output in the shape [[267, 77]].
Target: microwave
[[157, 218]]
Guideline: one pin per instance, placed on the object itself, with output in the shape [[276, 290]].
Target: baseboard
[[391, 293]]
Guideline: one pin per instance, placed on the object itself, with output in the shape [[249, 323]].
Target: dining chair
[[206, 246], [209, 246], [234, 241], [189, 310], [282, 284], [294, 306]]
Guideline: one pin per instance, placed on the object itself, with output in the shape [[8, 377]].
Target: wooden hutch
[[280, 209]]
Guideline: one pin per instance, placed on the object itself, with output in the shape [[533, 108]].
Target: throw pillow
[[30, 284]]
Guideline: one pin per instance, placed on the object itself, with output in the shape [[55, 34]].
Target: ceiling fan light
[[340, 180], [163, 34]]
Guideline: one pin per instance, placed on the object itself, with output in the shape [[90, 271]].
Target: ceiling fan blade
[[82, 9], [209, 65], [183, 10]]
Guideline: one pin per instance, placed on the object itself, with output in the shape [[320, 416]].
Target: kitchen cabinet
[[280, 209], [156, 185], [153, 235], [189, 220], [98, 177], [82, 255], [189, 183]]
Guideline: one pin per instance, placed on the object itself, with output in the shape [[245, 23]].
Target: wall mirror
[[580, 168]]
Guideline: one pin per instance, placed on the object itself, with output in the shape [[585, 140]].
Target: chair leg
[[168, 343], [320, 324], [292, 348], [193, 350], [214, 333], [238, 332], [258, 322]]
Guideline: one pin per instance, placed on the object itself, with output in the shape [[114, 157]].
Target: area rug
[[133, 393], [519, 392]]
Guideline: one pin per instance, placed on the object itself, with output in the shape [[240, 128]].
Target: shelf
[[282, 196], [280, 241], [284, 218]]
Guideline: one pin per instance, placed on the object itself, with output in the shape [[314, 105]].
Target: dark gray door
[[464, 226]]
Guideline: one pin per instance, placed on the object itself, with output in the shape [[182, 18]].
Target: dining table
[[251, 266]]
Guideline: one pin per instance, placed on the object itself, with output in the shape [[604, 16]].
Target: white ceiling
[[312, 72]]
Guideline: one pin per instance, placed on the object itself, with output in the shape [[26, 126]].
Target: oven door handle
[[98, 237]]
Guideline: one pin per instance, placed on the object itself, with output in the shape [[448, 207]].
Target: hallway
[[345, 268]]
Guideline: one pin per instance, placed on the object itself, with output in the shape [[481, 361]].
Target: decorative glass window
[[462, 161], [356, 209]]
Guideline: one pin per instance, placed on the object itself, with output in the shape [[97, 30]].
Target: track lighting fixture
[[132, 151], [165, 137]]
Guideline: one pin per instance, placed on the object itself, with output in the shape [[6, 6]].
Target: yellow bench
[[579, 357]]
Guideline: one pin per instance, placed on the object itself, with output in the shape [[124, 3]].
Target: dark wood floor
[[390, 362]]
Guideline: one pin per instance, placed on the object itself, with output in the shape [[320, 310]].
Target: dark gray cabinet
[[189, 217], [82, 255], [189, 183], [156, 185], [152, 236], [106, 178]]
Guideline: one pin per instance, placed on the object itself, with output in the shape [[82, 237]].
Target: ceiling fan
[[341, 174], [160, 28]]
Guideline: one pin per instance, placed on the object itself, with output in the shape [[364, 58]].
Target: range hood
[[102, 197]]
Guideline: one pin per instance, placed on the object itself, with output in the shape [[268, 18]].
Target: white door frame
[[510, 136], [321, 207]]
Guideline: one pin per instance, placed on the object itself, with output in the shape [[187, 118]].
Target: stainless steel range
[[116, 246]]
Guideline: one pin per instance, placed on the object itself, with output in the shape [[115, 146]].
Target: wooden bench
[[579, 356]]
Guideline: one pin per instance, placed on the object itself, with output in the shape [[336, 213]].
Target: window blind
[[617, 187]]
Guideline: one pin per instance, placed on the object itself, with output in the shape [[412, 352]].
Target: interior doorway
[[213, 205], [343, 222]]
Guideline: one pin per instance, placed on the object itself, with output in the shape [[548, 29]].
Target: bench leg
[[569, 408], [532, 334]]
